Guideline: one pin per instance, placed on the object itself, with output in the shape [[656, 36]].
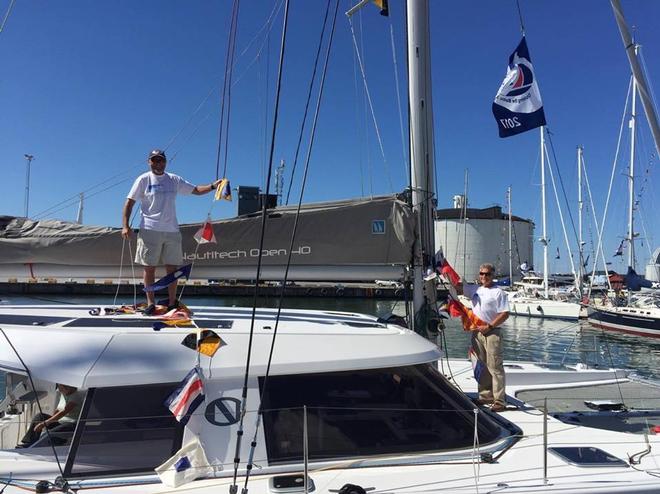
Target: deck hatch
[[587, 456]]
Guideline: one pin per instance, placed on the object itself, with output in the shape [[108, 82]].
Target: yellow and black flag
[[206, 343], [382, 5]]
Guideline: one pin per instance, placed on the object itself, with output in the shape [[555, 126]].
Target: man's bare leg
[[149, 278], [171, 288]]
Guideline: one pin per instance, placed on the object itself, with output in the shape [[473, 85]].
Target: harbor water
[[544, 341]]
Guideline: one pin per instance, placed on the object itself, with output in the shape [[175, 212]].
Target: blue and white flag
[[187, 464], [181, 272], [187, 397], [477, 365], [518, 106]]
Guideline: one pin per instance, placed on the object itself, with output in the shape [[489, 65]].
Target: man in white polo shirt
[[159, 239], [490, 304]]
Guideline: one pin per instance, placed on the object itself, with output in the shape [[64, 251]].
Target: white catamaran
[[348, 403]]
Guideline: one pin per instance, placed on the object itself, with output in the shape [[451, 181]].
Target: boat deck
[[640, 413]]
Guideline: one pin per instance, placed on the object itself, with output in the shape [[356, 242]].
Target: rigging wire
[[520, 17], [264, 215], [357, 120], [73, 200], [292, 240], [404, 154], [309, 97], [29, 375], [561, 182], [226, 91], [371, 106], [609, 190], [595, 220], [4, 20], [561, 217]]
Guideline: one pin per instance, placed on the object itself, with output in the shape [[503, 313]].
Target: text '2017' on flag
[[518, 107], [185, 399]]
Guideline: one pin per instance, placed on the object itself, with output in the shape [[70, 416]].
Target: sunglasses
[[157, 159], [485, 274]]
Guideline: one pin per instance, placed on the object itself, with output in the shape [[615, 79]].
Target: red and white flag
[[205, 234]]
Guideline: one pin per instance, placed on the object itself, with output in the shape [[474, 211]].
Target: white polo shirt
[[487, 302], [157, 196]]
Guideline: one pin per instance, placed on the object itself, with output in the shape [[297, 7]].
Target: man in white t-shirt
[[159, 239], [491, 305], [61, 423]]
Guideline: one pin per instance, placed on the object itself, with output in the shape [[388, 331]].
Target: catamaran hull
[[637, 321]]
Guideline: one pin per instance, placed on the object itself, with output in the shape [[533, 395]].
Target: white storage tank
[[483, 237], [653, 267]]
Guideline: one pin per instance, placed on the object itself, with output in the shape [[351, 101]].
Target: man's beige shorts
[[158, 248]]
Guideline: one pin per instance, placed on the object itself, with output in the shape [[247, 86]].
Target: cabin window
[[369, 412], [124, 429]]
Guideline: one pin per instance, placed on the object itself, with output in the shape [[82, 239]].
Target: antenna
[[279, 182], [29, 159]]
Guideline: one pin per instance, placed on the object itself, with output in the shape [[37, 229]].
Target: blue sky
[[89, 88]]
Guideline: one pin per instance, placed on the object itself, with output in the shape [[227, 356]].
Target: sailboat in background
[[638, 315], [535, 299]]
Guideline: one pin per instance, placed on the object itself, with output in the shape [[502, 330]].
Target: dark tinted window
[[369, 412], [124, 429]]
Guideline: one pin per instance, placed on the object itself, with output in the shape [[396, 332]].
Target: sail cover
[[354, 239]]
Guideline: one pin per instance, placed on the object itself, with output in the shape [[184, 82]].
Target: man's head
[[157, 161], [486, 274]]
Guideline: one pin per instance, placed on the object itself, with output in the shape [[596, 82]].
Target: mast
[[631, 177], [580, 206], [465, 205], [642, 86], [544, 238], [421, 143], [81, 205], [508, 197]]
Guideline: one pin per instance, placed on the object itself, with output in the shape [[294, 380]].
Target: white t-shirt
[[487, 302], [157, 194], [76, 397]]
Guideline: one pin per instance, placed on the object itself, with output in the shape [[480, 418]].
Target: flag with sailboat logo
[[518, 107]]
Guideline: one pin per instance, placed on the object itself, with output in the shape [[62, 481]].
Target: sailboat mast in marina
[[422, 175]]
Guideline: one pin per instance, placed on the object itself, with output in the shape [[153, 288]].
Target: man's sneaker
[[173, 306], [483, 401], [150, 310], [498, 407]]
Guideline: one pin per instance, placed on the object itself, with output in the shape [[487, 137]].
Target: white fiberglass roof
[[128, 352]]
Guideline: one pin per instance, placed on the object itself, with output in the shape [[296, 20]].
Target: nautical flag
[[382, 5], [206, 343], [619, 250], [518, 107], [557, 256], [477, 365], [205, 235], [181, 272], [469, 319], [445, 268], [223, 191], [187, 397], [187, 464]]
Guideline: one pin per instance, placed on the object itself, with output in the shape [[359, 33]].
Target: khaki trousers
[[489, 350]]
